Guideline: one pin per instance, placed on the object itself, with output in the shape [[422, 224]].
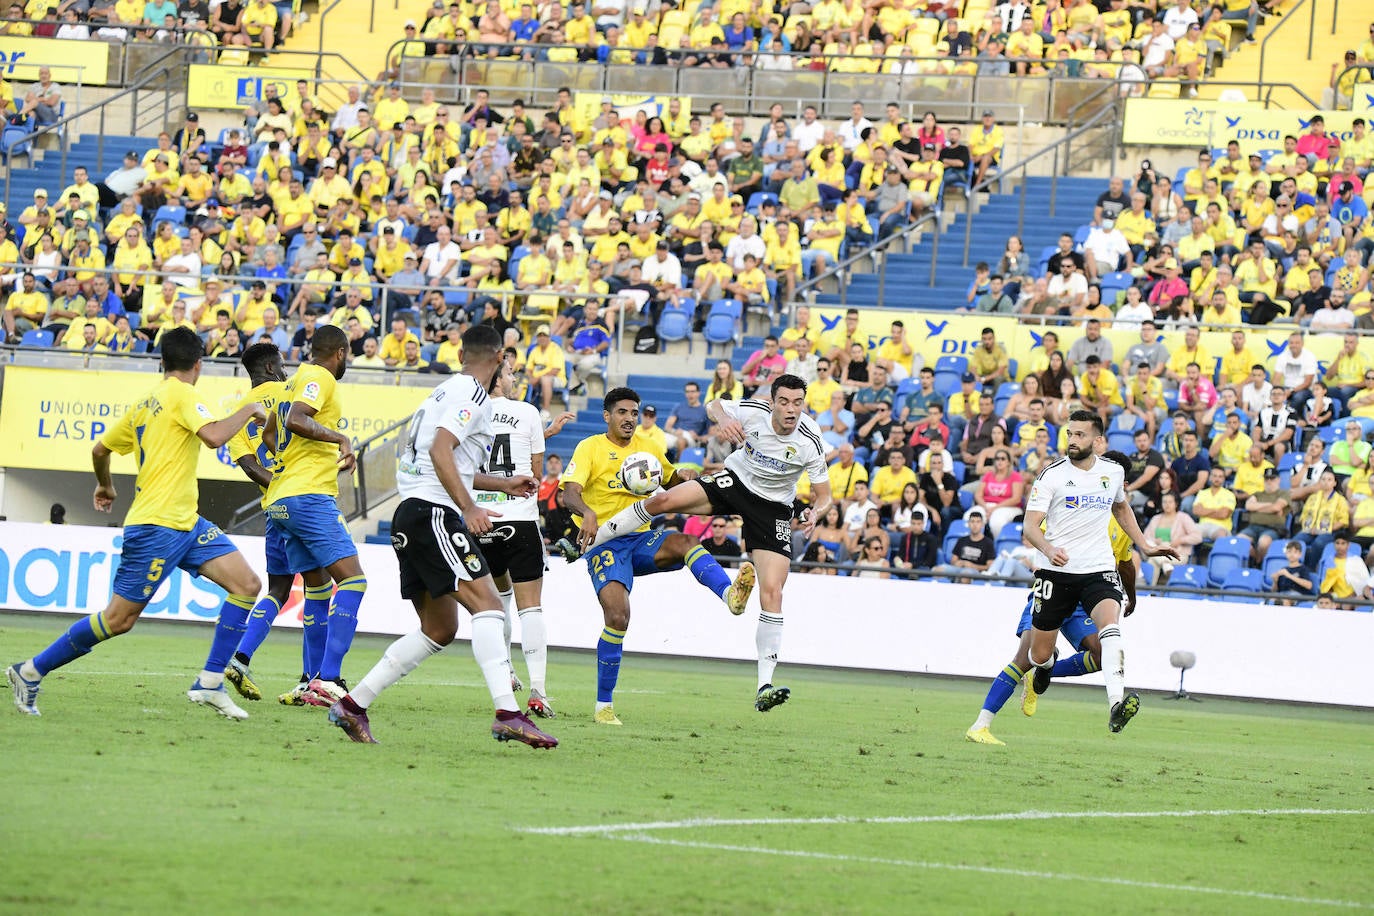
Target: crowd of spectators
[[1131, 41], [255, 25], [1232, 240], [442, 215], [1269, 457]]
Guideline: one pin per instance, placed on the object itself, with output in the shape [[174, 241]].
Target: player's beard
[[1077, 454]]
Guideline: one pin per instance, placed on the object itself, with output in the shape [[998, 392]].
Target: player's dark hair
[[181, 350], [790, 382], [616, 395], [1087, 416], [1120, 458], [328, 339], [481, 341], [257, 358]]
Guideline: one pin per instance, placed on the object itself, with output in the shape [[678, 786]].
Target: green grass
[[123, 797]]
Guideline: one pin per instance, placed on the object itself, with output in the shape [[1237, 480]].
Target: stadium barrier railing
[[841, 271]]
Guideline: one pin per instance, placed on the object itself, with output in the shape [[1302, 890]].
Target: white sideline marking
[[191, 675], [990, 870], [635, 833], [609, 829]]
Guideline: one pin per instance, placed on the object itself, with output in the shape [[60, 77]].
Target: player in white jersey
[[1075, 498], [759, 482], [514, 547], [434, 534]]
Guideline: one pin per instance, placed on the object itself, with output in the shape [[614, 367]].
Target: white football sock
[[29, 672], [211, 679], [623, 522], [508, 603], [768, 639], [534, 642], [1113, 663], [401, 657], [984, 719], [489, 650]]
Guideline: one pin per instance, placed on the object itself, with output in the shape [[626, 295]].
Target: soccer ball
[[641, 474]]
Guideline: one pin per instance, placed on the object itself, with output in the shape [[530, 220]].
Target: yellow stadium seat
[[1163, 91], [678, 19], [924, 26], [670, 35], [234, 57]]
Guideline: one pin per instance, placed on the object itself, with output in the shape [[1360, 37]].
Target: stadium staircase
[[44, 169], [347, 36], [907, 285]]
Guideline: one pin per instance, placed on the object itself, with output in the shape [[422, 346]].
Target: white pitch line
[[191, 676], [986, 869], [610, 829]]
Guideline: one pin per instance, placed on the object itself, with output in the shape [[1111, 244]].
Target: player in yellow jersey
[[163, 530], [1080, 631], [263, 363], [301, 501], [592, 491]]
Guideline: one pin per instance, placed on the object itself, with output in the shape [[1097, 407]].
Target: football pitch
[[858, 796]]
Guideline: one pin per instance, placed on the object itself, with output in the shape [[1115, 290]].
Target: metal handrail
[[1051, 150], [838, 271], [361, 503], [58, 127], [1311, 31]]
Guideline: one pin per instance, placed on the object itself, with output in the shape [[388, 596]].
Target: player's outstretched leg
[[980, 732], [400, 658], [534, 644], [1076, 665], [208, 689], [315, 627], [768, 641], [1123, 708], [260, 620], [489, 651], [81, 637], [328, 687], [609, 650]]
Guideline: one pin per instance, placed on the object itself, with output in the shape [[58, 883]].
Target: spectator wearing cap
[[85, 258], [190, 137], [925, 178], [29, 216], [545, 367], [160, 180], [985, 142]]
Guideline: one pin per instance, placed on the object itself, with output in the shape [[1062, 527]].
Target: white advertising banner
[[1243, 650]]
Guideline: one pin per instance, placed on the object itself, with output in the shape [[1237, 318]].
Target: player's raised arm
[[300, 421], [723, 414], [218, 432], [1151, 548], [519, 485]]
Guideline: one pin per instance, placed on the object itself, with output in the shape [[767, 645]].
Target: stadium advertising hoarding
[[926, 627], [1202, 122], [21, 57], [936, 334], [222, 87], [50, 418]]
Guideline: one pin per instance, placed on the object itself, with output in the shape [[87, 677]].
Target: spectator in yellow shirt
[[985, 143], [545, 366], [393, 349]]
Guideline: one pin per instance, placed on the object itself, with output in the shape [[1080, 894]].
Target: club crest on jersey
[[1106, 482], [790, 453]]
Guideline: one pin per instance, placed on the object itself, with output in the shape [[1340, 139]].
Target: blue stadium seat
[[174, 215], [676, 324], [1289, 461], [1121, 441], [719, 329], [1227, 554], [957, 364], [1274, 560], [1249, 580], [1010, 538], [957, 529], [36, 338], [1189, 576], [947, 382], [694, 457]]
